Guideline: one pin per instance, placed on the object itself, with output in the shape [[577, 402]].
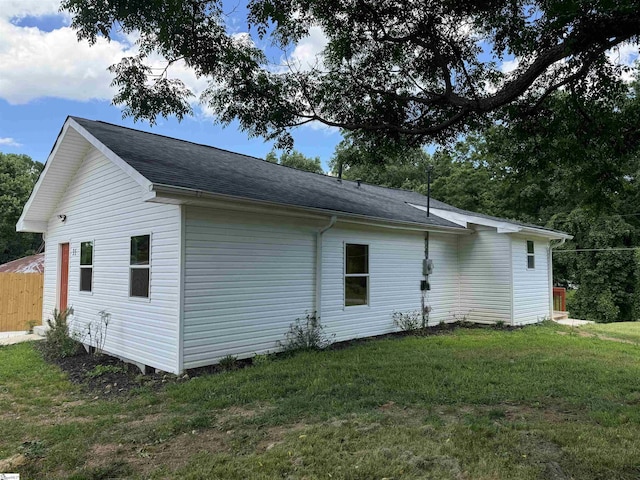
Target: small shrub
[[261, 359], [97, 332], [59, 342], [229, 362], [500, 324], [100, 370], [306, 333], [30, 325], [407, 321]]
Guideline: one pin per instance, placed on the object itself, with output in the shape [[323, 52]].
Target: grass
[[628, 331], [475, 403]]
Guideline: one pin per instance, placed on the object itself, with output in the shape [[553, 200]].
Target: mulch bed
[[122, 380]]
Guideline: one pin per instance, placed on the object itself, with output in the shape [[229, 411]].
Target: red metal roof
[[31, 264]]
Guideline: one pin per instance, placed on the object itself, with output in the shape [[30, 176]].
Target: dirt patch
[[9, 465], [584, 334], [274, 436], [171, 454]]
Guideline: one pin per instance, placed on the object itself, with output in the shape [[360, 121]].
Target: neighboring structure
[[30, 264], [21, 294], [198, 253]]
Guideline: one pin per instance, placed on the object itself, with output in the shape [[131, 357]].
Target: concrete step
[[558, 315]]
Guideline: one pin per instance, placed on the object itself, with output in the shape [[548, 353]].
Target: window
[[356, 278], [139, 265], [531, 257], [86, 266]]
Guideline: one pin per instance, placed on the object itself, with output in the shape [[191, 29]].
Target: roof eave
[[162, 193], [501, 226]]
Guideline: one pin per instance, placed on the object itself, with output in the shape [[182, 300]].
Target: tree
[[296, 160], [573, 166], [459, 176], [414, 70], [18, 175]]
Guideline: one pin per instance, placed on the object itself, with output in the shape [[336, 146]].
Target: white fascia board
[[180, 195], [501, 226], [26, 225], [31, 226], [21, 226], [124, 166]]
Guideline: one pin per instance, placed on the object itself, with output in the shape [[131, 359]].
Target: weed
[[407, 321], [33, 449], [30, 324], [500, 324], [262, 359], [59, 342], [97, 332], [306, 334], [100, 370], [229, 362]]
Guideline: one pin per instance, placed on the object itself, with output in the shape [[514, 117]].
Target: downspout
[[550, 269], [319, 234]]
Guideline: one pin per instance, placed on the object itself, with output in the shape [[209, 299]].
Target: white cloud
[[625, 54], [36, 64], [9, 142], [509, 66], [306, 54], [33, 8]]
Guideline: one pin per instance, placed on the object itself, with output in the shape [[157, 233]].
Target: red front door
[[64, 276]]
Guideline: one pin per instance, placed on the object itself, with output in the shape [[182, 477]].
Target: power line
[[620, 249]]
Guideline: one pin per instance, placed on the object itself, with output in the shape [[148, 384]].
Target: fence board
[[20, 300]]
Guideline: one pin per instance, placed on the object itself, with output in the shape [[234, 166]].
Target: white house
[[198, 253]]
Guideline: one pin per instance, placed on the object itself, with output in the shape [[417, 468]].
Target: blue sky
[[45, 75]]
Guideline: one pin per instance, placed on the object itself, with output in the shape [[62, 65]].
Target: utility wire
[[597, 250]]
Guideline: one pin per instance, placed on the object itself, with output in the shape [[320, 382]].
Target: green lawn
[[628, 331], [473, 404]]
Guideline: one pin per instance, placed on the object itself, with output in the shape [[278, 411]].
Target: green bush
[[306, 333], [407, 321], [229, 362], [59, 343]]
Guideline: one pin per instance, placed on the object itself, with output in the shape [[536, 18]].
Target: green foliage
[[407, 321], [305, 334], [261, 359], [297, 160], [405, 70], [59, 341], [18, 175], [229, 362], [100, 370]]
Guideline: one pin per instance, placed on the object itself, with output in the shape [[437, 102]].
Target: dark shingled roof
[[179, 163]]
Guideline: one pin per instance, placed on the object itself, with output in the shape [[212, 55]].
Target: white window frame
[[148, 267], [93, 253], [531, 255], [348, 275]]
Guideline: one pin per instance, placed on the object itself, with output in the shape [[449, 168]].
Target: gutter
[[319, 236], [156, 190], [550, 269]]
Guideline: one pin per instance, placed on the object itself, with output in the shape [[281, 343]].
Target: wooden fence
[[20, 300]]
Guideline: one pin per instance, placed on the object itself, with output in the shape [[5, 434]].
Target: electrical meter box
[[427, 266]]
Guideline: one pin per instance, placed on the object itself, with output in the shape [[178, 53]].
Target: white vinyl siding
[[530, 286], [395, 272], [104, 204], [445, 279], [247, 278], [485, 276]]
